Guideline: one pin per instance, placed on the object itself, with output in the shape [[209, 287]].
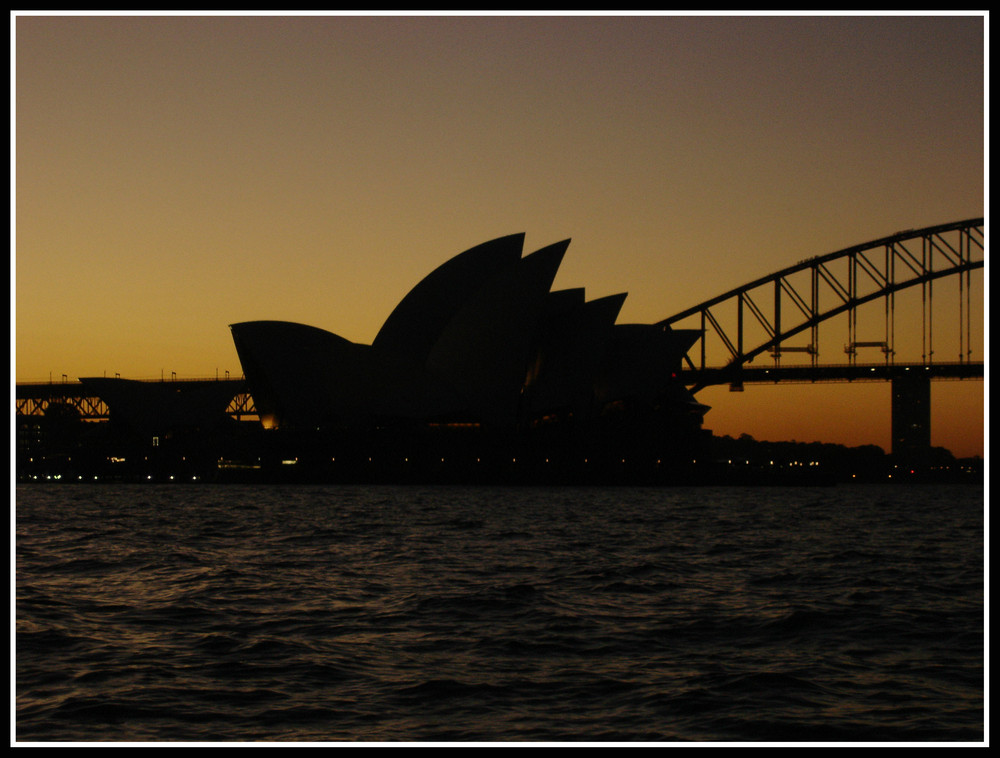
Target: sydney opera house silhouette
[[480, 361]]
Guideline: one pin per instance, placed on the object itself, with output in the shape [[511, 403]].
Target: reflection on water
[[201, 613]]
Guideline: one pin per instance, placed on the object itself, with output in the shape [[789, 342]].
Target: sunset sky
[[174, 175]]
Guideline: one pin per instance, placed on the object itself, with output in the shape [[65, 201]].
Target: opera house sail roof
[[482, 339]]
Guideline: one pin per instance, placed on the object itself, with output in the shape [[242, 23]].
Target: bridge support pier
[[911, 417]]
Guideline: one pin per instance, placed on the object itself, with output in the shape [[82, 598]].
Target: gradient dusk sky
[[177, 174]]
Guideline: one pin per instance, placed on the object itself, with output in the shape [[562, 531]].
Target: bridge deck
[[871, 372]]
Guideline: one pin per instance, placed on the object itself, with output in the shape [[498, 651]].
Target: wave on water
[[520, 614]]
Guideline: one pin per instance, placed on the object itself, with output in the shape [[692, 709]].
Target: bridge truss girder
[[796, 300], [41, 400], [84, 406]]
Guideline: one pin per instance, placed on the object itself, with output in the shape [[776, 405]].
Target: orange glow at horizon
[[175, 175]]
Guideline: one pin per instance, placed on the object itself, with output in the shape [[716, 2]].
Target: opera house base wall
[[244, 452], [472, 456], [63, 449]]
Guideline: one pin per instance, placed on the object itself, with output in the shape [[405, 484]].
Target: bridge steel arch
[[796, 300]]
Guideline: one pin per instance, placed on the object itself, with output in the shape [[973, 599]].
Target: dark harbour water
[[427, 614]]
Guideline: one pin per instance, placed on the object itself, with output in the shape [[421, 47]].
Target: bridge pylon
[[911, 417]]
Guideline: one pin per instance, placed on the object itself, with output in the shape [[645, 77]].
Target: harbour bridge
[[769, 330], [849, 302]]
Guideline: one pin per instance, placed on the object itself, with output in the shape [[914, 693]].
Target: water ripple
[[196, 613]]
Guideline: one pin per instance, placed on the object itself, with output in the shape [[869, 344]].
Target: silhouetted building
[[160, 409], [481, 347]]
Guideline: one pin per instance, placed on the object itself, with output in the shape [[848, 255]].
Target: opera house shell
[[481, 347]]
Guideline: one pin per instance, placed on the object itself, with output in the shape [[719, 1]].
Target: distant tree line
[[864, 461]]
